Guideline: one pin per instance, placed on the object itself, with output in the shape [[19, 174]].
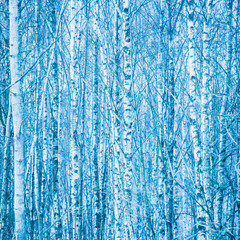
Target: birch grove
[[120, 119]]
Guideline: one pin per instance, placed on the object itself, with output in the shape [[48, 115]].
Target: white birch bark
[[37, 155], [223, 120], [74, 148], [6, 221], [96, 188], [96, 129], [55, 129], [194, 128], [185, 198], [168, 127], [105, 124], [128, 121], [238, 126], [20, 232], [116, 127], [205, 116], [45, 157], [83, 123]]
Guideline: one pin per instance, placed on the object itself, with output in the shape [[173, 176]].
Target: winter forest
[[120, 119]]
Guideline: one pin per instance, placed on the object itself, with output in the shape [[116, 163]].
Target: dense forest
[[120, 119]]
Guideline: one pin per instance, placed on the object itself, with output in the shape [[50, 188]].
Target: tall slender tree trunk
[[223, 121], [168, 113], [74, 140], [128, 121], [19, 169], [194, 128], [205, 121], [187, 220], [96, 188], [6, 213], [238, 123], [6, 191], [83, 113], [104, 129], [37, 156], [45, 209], [96, 129], [116, 126], [55, 127]]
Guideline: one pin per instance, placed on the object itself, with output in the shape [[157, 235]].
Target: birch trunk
[[20, 231], [223, 121], [83, 112], [96, 188], [45, 209], [74, 148], [205, 121], [238, 125], [169, 113], [6, 221], [55, 129], [128, 121], [96, 129], [194, 128], [37, 155], [104, 129], [116, 126], [187, 221]]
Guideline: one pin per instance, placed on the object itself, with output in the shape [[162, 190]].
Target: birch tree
[[205, 116], [75, 155], [194, 127], [19, 210], [83, 119], [223, 120], [55, 128], [238, 124], [169, 113], [38, 167], [96, 129], [128, 121], [6, 194], [116, 127]]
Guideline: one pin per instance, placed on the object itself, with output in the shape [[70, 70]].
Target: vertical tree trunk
[[96, 188], [194, 128], [104, 109], [223, 120], [128, 122], [168, 112], [20, 231], [55, 129], [96, 123], [116, 127], [83, 113], [185, 164], [45, 209], [238, 123], [205, 131], [37, 155], [6, 212], [6, 191], [74, 140]]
